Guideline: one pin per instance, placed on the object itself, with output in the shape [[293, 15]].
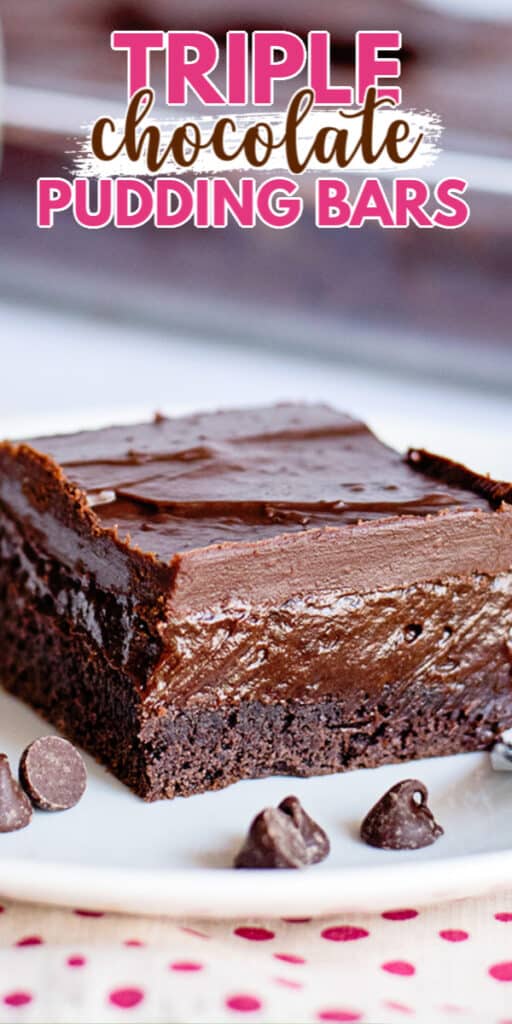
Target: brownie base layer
[[190, 751], [257, 740]]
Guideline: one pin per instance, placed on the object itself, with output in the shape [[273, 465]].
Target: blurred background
[[410, 328]]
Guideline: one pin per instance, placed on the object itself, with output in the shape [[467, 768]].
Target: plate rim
[[267, 893]]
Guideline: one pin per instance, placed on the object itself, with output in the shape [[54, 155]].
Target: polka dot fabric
[[429, 966]]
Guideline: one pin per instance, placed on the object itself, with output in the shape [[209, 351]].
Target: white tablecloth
[[435, 966]]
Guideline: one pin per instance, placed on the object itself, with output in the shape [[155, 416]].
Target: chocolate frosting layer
[[178, 484]]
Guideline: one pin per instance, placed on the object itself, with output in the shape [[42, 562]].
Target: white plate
[[115, 852]]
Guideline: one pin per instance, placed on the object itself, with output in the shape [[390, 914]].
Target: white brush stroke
[[86, 164]]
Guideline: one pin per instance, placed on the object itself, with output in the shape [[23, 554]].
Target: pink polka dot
[[397, 1007], [338, 1015], [133, 942], [344, 933], [399, 915], [254, 934], [454, 935], [296, 920], [452, 1008], [288, 983], [88, 913], [501, 972], [17, 999], [126, 998], [185, 965], [290, 958], [30, 940], [504, 915], [243, 1003], [76, 961], [402, 967]]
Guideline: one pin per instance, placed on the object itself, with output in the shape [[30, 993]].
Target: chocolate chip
[[501, 753], [315, 839], [15, 808], [283, 837], [53, 774], [401, 821]]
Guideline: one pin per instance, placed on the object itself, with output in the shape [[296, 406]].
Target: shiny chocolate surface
[[177, 484]]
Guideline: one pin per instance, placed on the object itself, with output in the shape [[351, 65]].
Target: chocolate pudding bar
[[237, 594]]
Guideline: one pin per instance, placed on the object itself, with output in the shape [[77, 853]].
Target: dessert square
[[201, 599]]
